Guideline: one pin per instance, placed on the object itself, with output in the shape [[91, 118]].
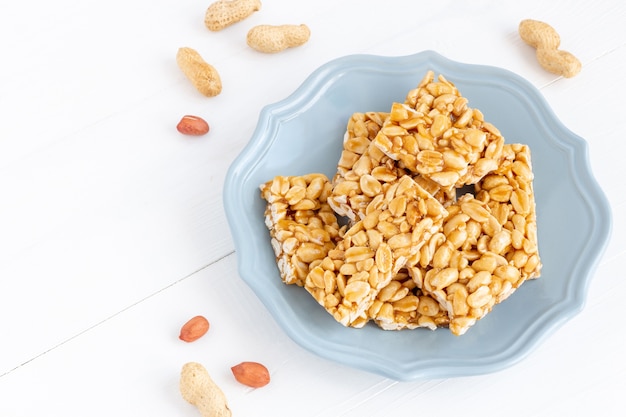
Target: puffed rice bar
[[362, 168]]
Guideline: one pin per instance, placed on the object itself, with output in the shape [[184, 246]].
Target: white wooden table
[[113, 234]]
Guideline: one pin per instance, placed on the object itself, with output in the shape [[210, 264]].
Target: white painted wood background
[[112, 230]]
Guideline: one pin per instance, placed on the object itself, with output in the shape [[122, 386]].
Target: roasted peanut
[[223, 13], [194, 329], [272, 39], [546, 41], [252, 374], [202, 75], [192, 125]]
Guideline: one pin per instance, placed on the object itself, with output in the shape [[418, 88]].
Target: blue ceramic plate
[[303, 134]]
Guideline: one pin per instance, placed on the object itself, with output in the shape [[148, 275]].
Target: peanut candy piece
[[347, 280], [434, 133], [488, 244], [362, 168], [397, 222], [467, 273], [509, 194], [302, 226]]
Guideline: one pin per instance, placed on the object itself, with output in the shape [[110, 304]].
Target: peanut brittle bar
[[302, 226], [434, 133]]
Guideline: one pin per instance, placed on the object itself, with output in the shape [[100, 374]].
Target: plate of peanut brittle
[[416, 217]]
